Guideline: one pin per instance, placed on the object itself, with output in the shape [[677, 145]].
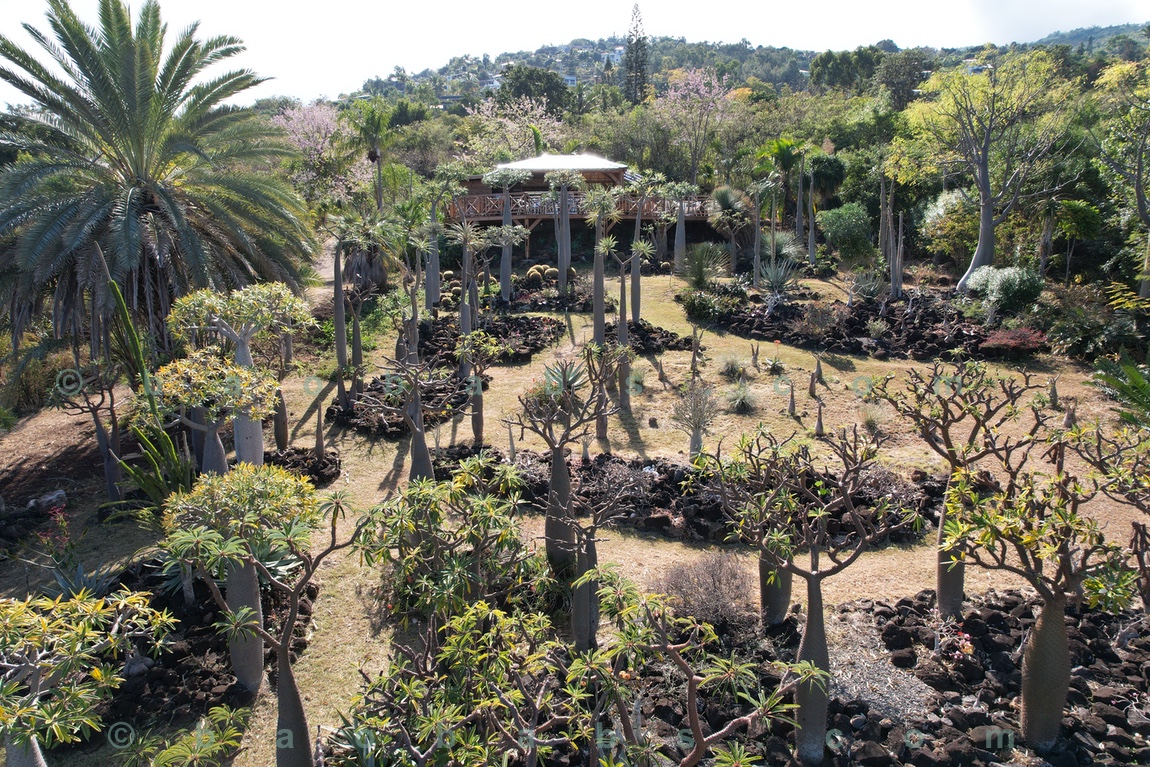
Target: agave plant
[[704, 263], [780, 277]]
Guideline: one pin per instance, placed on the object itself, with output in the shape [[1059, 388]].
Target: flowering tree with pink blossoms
[[696, 105], [327, 171]]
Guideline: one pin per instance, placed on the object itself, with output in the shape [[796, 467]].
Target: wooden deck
[[529, 208]]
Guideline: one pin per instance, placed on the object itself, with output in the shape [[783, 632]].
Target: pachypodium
[[282, 511], [1033, 525], [60, 658], [790, 521], [269, 309], [561, 411], [251, 504], [965, 414]]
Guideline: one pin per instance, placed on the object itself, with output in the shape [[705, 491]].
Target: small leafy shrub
[[818, 321], [1008, 290], [1079, 322], [1015, 343], [741, 400], [704, 306], [848, 231], [712, 589], [876, 327]]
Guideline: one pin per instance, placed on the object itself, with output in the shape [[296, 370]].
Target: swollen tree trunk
[[281, 422], [598, 303], [293, 739], [695, 444], [557, 527], [27, 755], [249, 432], [584, 601], [197, 415], [680, 236], [477, 411], [811, 716], [247, 654], [774, 593], [949, 578], [1045, 676], [984, 252], [215, 459], [421, 466], [356, 354], [108, 452], [505, 258]]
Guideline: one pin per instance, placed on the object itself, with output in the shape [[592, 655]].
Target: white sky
[[331, 46]]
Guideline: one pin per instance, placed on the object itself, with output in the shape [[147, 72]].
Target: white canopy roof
[[547, 162]]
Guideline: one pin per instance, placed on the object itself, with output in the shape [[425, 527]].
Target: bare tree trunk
[[197, 415], [215, 458], [949, 578], [27, 755], [680, 236], [421, 465], [247, 654], [1144, 279], [431, 283], [564, 238], [505, 257], [598, 302], [799, 200], [281, 422], [636, 266], [1046, 242], [984, 252], [774, 593], [293, 738], [339, 321], [477, 411], [812, 699], [1045, 676], [557, 527], [811, 223], [625, 362]]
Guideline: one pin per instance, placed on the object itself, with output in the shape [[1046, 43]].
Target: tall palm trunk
[[1045, 676], [431, 282], [811, 697], [680, 236], [598, 300], [505, 257], [339, 321], [799, 200], [636, 266]]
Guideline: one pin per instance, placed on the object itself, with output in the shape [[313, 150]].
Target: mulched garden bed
[[645, 338], [651, 494], [192, 673], [302, 462], [1107, 721], [923, 326], [524, 336], [442, 398]]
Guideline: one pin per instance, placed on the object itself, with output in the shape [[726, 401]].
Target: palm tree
[[646, 185], [371, 132], [602, 207], [505, 178], [828, 172], [783, 154], [679, 192], [130, 151], [728, 213]]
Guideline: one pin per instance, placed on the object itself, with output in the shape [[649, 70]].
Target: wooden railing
[[527, 205]]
